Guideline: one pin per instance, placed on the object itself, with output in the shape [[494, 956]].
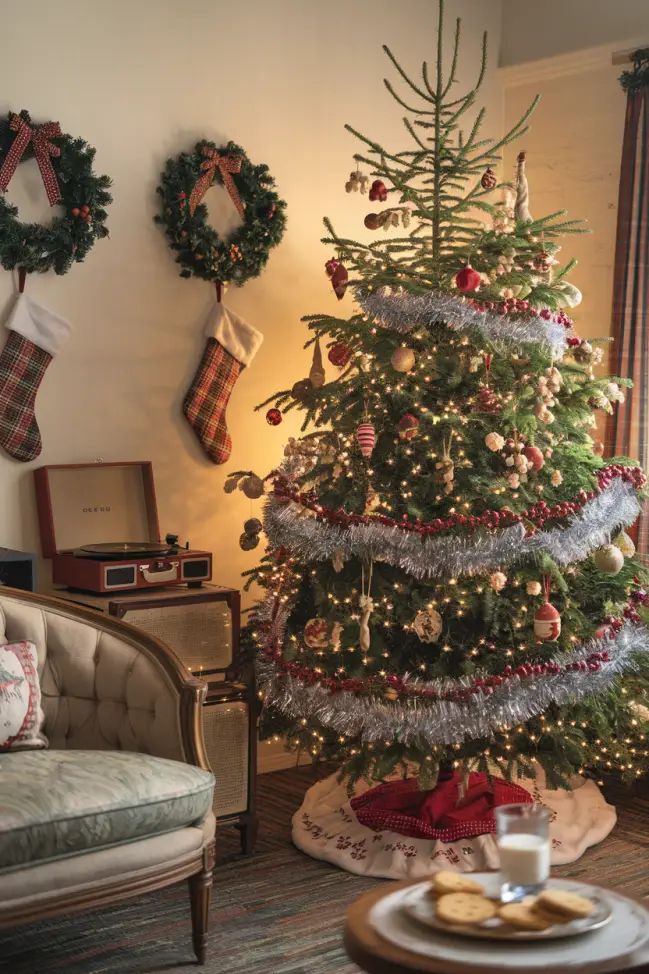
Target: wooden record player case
[[90, 503]]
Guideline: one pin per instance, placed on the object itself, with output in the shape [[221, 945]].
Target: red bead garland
[[539, 514], [514, 306]]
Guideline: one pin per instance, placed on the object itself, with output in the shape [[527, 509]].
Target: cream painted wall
[[574, 148], [280, 78], [532, 30], [140, 80]]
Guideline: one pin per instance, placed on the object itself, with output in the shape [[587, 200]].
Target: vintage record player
[[99, 525]]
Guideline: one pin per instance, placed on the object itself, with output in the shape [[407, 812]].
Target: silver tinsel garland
[[426, 723], [403, 312], [289, 525]]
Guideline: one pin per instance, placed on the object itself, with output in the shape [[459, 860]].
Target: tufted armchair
[[120, 803]]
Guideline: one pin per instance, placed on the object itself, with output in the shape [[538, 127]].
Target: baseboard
[[279, 761]]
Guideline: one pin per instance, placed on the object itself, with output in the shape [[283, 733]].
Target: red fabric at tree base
[[400, 806]]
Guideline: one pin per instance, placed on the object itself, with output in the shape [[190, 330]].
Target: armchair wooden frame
[[197, 868]]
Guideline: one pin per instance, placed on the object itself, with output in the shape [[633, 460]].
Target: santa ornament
[[468, 279], [408, 426], [547, 621]]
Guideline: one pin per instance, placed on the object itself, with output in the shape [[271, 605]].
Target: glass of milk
[[523, 840]]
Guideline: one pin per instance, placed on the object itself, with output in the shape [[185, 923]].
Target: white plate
[[623, 939], [420, 906]]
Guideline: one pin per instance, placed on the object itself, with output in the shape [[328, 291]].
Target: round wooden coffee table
[[377, 955]]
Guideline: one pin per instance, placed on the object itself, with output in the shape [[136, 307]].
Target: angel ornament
[[366, 605], [445, 468]]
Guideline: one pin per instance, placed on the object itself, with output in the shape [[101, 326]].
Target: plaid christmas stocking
[[232, 343], [35, 337]]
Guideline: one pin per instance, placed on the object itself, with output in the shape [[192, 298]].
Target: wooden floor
[[275, 912]]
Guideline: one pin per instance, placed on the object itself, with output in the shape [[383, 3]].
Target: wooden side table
[[376, 955]]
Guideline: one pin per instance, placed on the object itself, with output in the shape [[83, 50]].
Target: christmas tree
[[448, 582]]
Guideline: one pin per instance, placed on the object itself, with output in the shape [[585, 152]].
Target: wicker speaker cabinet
[[202, 627]]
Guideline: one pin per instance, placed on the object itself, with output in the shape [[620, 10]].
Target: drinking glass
[[523, 840]]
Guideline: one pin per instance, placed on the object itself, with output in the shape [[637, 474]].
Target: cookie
[[523, 917], [551, 917], [464, 908], [447, 882], [568, 905]]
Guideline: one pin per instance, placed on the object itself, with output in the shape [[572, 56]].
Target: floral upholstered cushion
[[60, 803], [21, 717]]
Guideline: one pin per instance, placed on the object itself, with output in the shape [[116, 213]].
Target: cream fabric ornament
[[533, 588], [625, 544], [498, 581], [428, 625], [557, 478], [569, 296], [494, 441], [614, 392], [544, 414]]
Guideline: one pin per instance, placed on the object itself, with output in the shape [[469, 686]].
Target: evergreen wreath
[[66, 168], [202, 252]]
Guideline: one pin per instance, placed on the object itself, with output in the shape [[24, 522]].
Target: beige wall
[[574, 148], [141, 79], [534, 29]]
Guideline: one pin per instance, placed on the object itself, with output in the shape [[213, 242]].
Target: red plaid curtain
[[627, 432]]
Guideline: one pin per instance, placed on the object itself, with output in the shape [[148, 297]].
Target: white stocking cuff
[[236, 335], [40, 326]]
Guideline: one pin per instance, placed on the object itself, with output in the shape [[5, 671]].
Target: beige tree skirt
[[325, 827]]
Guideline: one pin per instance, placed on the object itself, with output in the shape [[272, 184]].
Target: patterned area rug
[[277, 912]]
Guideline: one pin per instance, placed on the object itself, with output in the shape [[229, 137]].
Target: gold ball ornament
[[609, 559], [428, 625], [403, 359], [391, 695]]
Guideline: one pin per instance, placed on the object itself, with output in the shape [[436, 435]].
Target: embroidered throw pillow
[[21, 716]]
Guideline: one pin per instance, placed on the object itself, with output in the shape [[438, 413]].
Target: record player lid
[[95, 503]]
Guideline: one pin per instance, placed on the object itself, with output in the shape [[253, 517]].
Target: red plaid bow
[[43, 149], [227, 165]]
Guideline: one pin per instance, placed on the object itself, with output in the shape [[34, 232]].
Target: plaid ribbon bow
[[43, 149], [227, 165]]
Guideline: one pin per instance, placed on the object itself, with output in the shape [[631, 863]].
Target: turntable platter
[[127, 549]]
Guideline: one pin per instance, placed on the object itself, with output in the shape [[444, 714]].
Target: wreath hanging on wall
[[65, 165], [202, 252]]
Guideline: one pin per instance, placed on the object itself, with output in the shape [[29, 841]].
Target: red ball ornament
[[378, 191], [273, 417], [547, 623], [366, 437], [339, 354], [339, 280], [467, 279], [535, 457], [408, 426], [489, 179]]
